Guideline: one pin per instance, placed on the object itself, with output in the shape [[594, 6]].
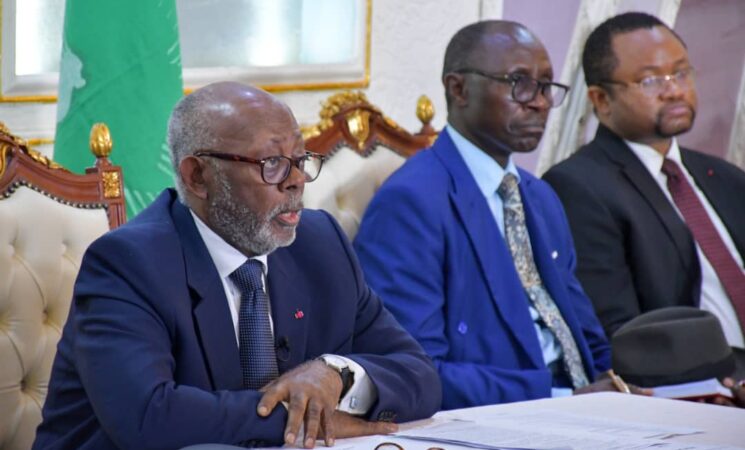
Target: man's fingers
[[312, 422], [350, 426], [380, 428], [329, 432], [269, 400], [640, 390], [295, 414]]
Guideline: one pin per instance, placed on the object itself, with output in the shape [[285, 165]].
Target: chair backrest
[[363, 147], [48, 217]]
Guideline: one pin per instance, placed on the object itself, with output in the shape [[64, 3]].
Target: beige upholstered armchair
[[363, 148], [48, 217]]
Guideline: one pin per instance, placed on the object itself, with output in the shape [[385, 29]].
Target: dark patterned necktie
[[518, 240], [707, 237], [255, 340]]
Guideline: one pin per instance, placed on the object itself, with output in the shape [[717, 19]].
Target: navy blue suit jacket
[[431, 249], [149, 359]]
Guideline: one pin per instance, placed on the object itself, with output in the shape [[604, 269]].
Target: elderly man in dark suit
[[226, 313], [655, 224]]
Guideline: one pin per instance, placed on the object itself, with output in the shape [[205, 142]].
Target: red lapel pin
[[299, 314], [710, 172]]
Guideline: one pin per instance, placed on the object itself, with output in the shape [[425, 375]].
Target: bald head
[[469, 44], [213, 116]]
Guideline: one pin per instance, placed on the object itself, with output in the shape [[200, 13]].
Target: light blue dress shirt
[[488, 175]]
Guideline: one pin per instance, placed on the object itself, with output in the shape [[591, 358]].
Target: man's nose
[[295, 179]]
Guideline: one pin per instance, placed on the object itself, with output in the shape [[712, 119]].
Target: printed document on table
[[551, 430]]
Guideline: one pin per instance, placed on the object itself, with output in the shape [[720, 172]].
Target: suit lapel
[[495, 260], [291, 309], [616, 150], [212, 319]]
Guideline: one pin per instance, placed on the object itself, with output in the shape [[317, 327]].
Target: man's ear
[[600, 99], [456, 88], [192, 172]]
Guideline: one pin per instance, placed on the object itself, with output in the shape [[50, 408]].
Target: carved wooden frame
[[100, 187], [348, 119]]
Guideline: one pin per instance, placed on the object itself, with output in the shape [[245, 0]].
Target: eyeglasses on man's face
[[525, 88], [275, 169], [656, 84]]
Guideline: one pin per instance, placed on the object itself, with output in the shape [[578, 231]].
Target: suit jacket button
[[462, 328]]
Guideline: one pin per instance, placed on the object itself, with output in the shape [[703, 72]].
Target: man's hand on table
[[311, 392], [605, 383], [347, 425], [738, 394]]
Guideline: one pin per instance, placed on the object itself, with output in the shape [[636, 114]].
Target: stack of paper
[[697, 389]]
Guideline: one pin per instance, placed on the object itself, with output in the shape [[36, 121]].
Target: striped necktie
[[698, 221]]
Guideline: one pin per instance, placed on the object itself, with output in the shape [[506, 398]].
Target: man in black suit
[[654, 224]]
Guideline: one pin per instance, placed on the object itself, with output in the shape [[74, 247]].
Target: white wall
[[407, 47], [408, 44]]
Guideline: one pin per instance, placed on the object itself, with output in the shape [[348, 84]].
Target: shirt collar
[[485, 170], [226, 257], [651, 158]]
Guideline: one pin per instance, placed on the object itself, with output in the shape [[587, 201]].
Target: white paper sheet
[[545, 429]]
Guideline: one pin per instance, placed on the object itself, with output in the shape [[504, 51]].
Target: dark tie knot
[[248, 275], [508, 186], [671, 169]]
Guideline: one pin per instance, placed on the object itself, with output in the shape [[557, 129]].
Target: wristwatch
[[341, 367]]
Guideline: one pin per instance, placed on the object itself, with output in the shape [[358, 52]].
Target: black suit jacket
[[635, 252]]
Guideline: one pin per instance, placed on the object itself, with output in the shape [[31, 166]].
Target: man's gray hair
[[189, 131]]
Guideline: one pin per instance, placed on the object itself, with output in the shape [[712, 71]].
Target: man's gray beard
[[241, 227]]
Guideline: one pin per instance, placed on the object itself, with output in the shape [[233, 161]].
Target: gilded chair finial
[[425, 110], [101, 142]]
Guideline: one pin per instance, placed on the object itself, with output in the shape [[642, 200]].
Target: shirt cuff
[[362, 395], [561, 392]]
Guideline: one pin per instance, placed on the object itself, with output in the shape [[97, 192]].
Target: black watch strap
[[345, 373], [347, 380]]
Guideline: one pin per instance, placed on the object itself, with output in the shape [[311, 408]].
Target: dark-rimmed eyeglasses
[[656, 84], [275, 169], [525, 88]]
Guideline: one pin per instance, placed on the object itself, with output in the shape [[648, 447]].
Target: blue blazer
[[431, 249], [148, 357]]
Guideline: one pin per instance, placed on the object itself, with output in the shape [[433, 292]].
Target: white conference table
[[719, 426]]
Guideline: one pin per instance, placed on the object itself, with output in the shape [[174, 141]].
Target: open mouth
[[289, 218]]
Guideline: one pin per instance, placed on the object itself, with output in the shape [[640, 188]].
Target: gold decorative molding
[[3, 156], [41, 159], [35, 142], [425, 110], [358, 124], [35, 155], [111, 185], [101, 143]]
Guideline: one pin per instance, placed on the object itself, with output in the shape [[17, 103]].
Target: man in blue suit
[[227, 314], [481, 272]]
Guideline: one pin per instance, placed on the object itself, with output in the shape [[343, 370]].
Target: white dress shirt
[[488, 175], [360, 397], [713, 296]]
